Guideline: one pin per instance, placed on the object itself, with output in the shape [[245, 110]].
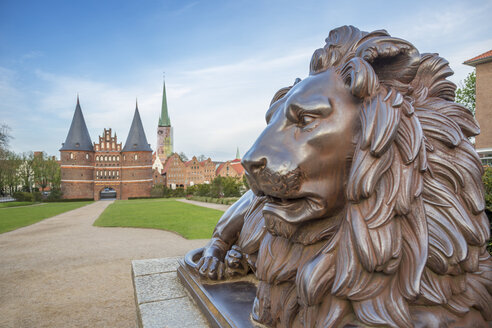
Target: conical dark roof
[[136, 140], [78, 137]]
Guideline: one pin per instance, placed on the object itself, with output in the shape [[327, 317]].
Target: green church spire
[[238, 156], [164, 119]]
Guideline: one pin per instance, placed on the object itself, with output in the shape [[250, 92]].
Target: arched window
[[136, 156], [118, 158], [97, 158], [114, 158], [71, 155], [105, 173], [107, 145], [86, 156], [105, 158]]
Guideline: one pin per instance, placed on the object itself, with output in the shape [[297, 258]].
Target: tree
[[201, 158], [4, 140], [183, 157], [46, 171], [26, 172], [9, 172], [217, 188], [53, 173], [231, 187], [465, 94], [40, 171], [245, 182]]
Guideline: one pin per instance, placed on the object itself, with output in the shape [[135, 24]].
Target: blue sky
[[223, 61]]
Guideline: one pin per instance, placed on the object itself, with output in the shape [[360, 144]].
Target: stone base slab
[[161, 301]]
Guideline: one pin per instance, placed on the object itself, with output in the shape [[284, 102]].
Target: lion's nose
[[253, 164]]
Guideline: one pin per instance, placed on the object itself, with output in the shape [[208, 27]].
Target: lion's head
[[372, 148]]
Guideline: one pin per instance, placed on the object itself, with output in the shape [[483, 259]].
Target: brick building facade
[[232, 168], [184, 174], [483, 104], [89, 169], [178, 173]]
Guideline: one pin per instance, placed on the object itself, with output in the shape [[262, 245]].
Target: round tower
[[136, 164], [77, 160]]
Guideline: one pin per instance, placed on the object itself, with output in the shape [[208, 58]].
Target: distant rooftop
[[480, 59]]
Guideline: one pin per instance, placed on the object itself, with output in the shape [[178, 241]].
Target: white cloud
[[213, 109]]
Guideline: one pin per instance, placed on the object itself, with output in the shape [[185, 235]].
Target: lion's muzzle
[[264, 180]]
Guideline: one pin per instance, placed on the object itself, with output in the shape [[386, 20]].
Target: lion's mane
[[414, 228]]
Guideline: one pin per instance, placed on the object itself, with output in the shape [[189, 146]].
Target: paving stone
[[174, 313], [157, 287], [151, 266]]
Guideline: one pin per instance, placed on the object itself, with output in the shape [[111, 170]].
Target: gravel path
[[63, 272], [204, 204]]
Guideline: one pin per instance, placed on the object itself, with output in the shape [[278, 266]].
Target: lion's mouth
[[280, 201], [294, 210]]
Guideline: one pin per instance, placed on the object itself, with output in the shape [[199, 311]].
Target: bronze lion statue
[[366, 205]]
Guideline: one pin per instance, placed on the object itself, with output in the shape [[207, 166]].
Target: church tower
[[164, 130]]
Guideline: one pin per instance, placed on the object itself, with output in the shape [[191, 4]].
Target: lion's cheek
[[328, 184]]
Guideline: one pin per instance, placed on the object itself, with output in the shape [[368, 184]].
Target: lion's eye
[[306, 119]]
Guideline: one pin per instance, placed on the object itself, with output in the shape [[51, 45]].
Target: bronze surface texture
[[366, 205]]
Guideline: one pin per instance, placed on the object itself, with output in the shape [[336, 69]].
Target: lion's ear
[[282, 92], [391, 58], [359, 77]]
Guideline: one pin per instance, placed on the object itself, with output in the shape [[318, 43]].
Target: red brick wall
[[136, 189], [76, 190], [77, 174], [133, 171], [484, 105]]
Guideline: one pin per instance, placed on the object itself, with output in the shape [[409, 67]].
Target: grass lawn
[[12, 218], [190, 221], [15, 204]]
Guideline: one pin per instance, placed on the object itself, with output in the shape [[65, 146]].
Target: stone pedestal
[[160, 299], [225, 304]]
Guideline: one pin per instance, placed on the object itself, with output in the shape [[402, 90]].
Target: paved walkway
[[63, 272], [204, 204]]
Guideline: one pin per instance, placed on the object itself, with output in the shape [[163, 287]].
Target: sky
[[223, 61]]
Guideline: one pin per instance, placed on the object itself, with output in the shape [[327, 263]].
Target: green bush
[[157, 191], [161, 191], [23, 196], [224, 201], [37, 196], [55, 195], [178, 192]]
